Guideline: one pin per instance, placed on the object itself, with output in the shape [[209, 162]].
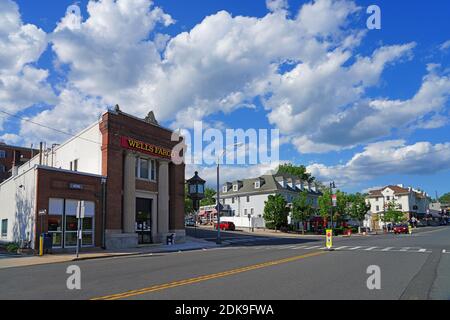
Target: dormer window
[[257, 184], [235, 187], [225, 189]]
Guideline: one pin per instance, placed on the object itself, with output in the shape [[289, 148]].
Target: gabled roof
[[269, 184]]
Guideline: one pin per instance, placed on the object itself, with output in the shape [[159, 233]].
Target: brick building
[[11, 156], [119, 170]]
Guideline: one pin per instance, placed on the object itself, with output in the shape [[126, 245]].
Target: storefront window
[[88, 224], [54, 221], [71, 224]]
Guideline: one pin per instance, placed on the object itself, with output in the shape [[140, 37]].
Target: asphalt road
[[255, 267]]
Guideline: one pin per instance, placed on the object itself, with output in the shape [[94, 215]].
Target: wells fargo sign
[[147, 148]]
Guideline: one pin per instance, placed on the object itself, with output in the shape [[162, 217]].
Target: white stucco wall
[[86, 149], [18, 206]]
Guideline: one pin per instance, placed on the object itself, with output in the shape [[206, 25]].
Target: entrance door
[[144, 220]]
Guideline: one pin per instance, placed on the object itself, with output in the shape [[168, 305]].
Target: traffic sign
[[334, 200], [329, 234]]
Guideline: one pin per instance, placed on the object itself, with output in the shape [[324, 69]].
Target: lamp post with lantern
[[196, 192]]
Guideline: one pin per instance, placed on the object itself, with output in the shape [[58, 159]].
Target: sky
[[365, 108]]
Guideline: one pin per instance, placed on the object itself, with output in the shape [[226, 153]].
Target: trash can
[[48, 242], [170, 240]]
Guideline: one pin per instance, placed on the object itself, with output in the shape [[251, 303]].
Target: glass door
[[144, 220]]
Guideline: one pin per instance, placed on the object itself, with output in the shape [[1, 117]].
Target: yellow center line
[[179, 283]]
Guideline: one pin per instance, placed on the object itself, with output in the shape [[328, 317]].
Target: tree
[[297, 171], [209, 199], [445, 198], [358, 207], [275, 211], [392, 214], [302, 208], [325, 204], [342, 208]]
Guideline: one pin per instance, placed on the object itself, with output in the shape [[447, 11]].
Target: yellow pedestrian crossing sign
[[329, 234]]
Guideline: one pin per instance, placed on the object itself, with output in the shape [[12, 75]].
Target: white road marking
[[311, 248], [444, 251], [405, 249], [387, 249], [355, 248], [340, 248], [299, 247], [370, 249], [423, 250]]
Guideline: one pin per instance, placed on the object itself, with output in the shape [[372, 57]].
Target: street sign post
[[329, 241], [81, 210]]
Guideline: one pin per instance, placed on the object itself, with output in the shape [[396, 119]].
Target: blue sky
[[389, 114]]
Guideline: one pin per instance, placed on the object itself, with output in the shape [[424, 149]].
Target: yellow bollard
[[41, 245], [410, 229]]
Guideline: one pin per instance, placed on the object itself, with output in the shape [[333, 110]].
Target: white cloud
[[384, 158], [445, 46], [11, 139], [73, 113], [229, 173], [276, 5], [21, 84]]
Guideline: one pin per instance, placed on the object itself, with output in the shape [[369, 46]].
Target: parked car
[[190, 223], [228, 226], [401, 228]]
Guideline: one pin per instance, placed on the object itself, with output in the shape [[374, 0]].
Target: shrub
[[12, 247]]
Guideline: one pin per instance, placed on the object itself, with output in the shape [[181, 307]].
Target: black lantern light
[[196, 190]]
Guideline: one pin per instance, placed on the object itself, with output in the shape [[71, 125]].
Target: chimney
[[40, 152], [16, 163]]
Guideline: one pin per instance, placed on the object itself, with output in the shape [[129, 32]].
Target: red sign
[[147, 148], [334, 200]]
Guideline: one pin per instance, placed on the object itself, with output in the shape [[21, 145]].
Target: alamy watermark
[[229, 146], [374, 20], [374, 280], [74, 280]]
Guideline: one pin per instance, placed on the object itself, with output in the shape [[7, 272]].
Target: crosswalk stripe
[[422, 250], [387, 249], [340, 248], [298, 247], [355, 248], [370, 249], [313, 247], [405, 249]]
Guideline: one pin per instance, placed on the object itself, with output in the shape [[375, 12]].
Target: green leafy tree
[[302, 208], [275, 211], [188, 205], [209, 199], [358, 207], [445, 198], [325, 204], [392, 214], [298, 171], [342, 207]]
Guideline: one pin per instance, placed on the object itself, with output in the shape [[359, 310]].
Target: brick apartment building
[[119, 169], [11, 156]]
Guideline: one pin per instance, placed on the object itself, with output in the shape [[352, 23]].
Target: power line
[[48, 127]]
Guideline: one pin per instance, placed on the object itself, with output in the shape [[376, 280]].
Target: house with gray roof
[[247, 197]]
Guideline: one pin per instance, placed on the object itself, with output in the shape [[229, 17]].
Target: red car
[[228, 226], [401, 228]]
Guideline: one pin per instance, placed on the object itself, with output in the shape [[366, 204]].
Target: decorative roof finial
[[150, 118]]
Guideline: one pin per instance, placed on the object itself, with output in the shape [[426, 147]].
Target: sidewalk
[[23, 261]]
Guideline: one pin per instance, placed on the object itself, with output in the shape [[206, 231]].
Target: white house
[[247, 197], [412, 202]]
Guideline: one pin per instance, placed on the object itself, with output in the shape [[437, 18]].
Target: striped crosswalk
[[338, 248]]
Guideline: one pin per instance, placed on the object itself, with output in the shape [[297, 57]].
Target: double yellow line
[[160, 287]]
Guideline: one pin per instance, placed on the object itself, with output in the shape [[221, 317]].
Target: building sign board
[[147, 148]]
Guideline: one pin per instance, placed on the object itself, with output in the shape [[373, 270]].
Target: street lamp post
[[218, 207], [332, 186], [196, 192]]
